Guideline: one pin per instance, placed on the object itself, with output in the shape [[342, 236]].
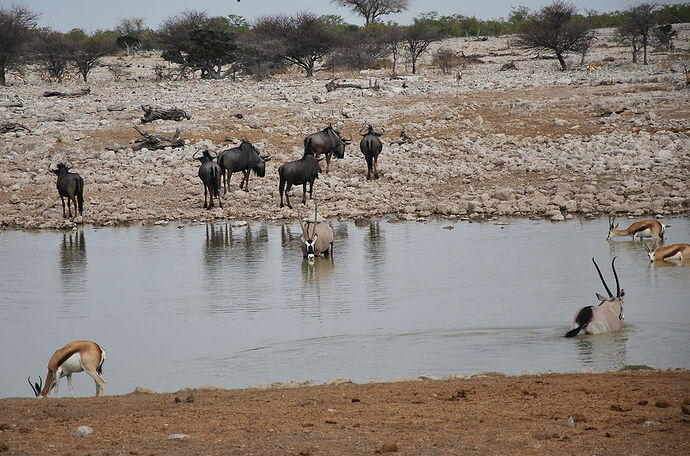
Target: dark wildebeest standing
[[327, 142], [209, 173], [70, 186], [298, 172], [371, 146], [243, 158]]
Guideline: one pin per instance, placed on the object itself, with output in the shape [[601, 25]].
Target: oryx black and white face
[[309, 244]]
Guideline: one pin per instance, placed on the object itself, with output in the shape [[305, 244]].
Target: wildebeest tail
[[308, 150], [80, 195]]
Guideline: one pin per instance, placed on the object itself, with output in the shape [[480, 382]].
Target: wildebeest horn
[[360, 131], [37, 388], [618, 286], [602, 278], [194, 155], [266, 157]]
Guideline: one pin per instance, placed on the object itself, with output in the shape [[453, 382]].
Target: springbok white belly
[[644, 233], [71, 365], [678, 256]]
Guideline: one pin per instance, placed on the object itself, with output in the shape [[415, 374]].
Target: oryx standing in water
[[77, 356], [607, 316], [317, 237], [641, 229]]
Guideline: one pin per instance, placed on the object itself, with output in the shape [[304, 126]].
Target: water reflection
[[73, 262], [374, 262], [603, 351]]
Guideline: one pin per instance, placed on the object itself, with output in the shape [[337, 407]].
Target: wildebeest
[[209, 173], [243, 158], [298, 172], [607, 316], [327, 142], [371, 146], [77, 356], [70, 186], [317, 237]]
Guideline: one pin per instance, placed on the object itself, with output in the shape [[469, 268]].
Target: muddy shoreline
[[632, 412]]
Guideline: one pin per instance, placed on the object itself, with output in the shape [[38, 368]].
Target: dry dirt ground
[[625, 413]]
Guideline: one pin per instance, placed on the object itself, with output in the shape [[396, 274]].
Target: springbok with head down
[[673, 252], [77, 356], [606, 317], [641, 229]]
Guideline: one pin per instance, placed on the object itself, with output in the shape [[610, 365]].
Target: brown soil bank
[[625, 413]]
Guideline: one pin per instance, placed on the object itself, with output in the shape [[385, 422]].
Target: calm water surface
[[237, 306]]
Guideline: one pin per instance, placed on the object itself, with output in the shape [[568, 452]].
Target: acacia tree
[[371, 9], [16, 25], [640, 20], [53, 53], [555, 28], [304, 39], [88, 49], [417, 38]]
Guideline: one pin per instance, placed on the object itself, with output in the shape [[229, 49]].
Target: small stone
[[3, 447], [663, 404], [609, 435], [83, 431], [387, 448], [5, 427], [177, 436], [570, 422], [579, 418], [618, 408]]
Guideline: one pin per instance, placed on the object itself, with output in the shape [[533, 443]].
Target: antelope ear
[[301, 237], [602, 298]]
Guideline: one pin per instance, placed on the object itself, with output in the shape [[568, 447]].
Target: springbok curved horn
[[618, 286], [646, 247], [37, 388], [602, 278]]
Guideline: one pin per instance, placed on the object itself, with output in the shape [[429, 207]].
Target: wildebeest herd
[[317, 236]]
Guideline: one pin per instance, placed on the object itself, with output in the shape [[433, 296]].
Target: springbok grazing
[[673, 252], [607, 316], [210, 175], [70, 186], [69, 77], [77, 356], [641, 229], [20, 77], [593, 67], [317, 237], [371, 147]]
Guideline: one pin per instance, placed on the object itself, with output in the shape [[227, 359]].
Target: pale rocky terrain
[[533, 142]]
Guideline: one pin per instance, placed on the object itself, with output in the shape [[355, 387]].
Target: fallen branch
[[157, 141], [333, 84], [153, 113], [7, 127], [67, 95]]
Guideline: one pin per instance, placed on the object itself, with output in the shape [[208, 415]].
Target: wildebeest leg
[[246, 181], [225, 185], [304, 193], [311, 190], [205, 203], [376, 171], [328, 162], [63, 206], [287, 196], [74, 200], [368, 158], [69, 206]]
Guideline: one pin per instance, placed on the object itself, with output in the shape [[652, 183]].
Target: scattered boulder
[[83, 431]]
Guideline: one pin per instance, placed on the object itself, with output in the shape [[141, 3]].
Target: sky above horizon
[[92, 15]]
